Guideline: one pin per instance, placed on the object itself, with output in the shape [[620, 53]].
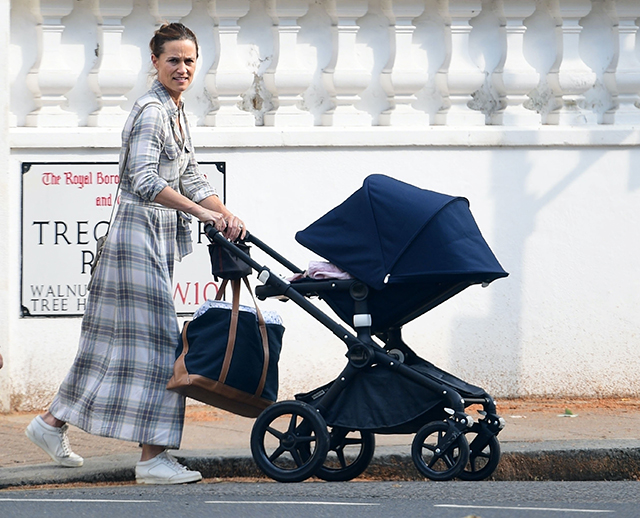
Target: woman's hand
[[231, 226], [213, 217], [235, 228]]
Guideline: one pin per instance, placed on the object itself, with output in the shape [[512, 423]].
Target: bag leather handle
[[265, 340], [233, 329]]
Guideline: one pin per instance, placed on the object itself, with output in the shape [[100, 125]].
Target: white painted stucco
[[558, 203]]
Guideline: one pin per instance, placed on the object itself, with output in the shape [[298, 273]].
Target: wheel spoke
[[341, 459], [276, 433], [295, 453], [448, 460], [274, 456], [306, 439], [292, 423]]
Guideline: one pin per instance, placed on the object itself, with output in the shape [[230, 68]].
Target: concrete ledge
[[388, 464], [26, 139]]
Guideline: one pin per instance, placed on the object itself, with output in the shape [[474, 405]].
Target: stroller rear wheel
[[440, 451], [349, 455], [289, 441], [484, 456]]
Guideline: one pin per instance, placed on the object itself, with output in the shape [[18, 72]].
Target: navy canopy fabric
[[390, 232]]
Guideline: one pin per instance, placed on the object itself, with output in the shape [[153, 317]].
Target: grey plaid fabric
[[116, 386]]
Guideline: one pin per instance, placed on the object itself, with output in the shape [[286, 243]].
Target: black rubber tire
[[339, 465], [482, 463], [290, 449], [432, 458]]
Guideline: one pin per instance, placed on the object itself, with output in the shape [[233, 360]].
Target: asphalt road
[[335, 500]]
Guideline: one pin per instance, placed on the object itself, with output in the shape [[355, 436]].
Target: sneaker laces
[[172, 461], [64, 441]]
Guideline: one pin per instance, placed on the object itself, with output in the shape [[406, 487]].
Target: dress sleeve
[[146, 141], [193, 185]]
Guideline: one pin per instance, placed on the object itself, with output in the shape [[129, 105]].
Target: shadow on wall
[[517, 215]]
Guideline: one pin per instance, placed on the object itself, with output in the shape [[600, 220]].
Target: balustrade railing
[[295, 63]]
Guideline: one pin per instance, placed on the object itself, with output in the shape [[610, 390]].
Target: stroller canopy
[[389, 232]]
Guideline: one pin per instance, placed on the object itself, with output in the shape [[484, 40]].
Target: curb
[[552, 465]]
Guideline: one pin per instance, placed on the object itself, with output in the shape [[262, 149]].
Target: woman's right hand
[[213, 217]]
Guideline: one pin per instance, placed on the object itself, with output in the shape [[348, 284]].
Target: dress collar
[[165, 98]]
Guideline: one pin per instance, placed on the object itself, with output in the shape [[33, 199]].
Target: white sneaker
[[164, 469], [54, 441]]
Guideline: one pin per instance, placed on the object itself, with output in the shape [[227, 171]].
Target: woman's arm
[[209, 210], [174, 200]]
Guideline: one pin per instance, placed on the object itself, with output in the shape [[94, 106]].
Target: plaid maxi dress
[[116, 386]]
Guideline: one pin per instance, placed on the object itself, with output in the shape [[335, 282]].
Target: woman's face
[[176, 66]]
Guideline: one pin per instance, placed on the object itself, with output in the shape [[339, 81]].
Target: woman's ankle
[[48, 418], [150, 451]]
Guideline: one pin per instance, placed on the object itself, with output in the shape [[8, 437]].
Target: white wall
[[554, 191]]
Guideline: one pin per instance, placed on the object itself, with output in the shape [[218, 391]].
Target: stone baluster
[[407, 74], [51, 78], [464, 77], [290, 77], [110, 79], [434, 31], [15, 65], [169, 11], [345, 77], [573, 77], [601, 33], [627, 73], [518, 77], [230, 75]]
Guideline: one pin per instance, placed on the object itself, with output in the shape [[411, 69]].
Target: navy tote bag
[[228, 358]]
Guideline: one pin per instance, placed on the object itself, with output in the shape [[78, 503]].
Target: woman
[[116, 386]]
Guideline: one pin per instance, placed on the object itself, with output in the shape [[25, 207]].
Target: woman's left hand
[[235, 228]]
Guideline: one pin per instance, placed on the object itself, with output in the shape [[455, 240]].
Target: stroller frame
[[440, 449]]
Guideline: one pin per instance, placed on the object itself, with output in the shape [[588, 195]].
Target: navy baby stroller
[[408, 250]]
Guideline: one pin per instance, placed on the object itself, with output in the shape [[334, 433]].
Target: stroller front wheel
[[289, 441], [349, 455], [484, 457], [440, 451]]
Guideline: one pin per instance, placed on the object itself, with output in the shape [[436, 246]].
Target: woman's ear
[[154, 60]]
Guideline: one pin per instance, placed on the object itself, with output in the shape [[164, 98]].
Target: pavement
[[544, 439]]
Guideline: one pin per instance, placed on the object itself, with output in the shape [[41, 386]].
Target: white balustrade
[[290, 76], [345, 78], [464, 77], [111, 78], [407, 74], [627, 72], [169, 11], [230, 75], [574, 77], [563, 62], [518, 77], [51, 77]]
